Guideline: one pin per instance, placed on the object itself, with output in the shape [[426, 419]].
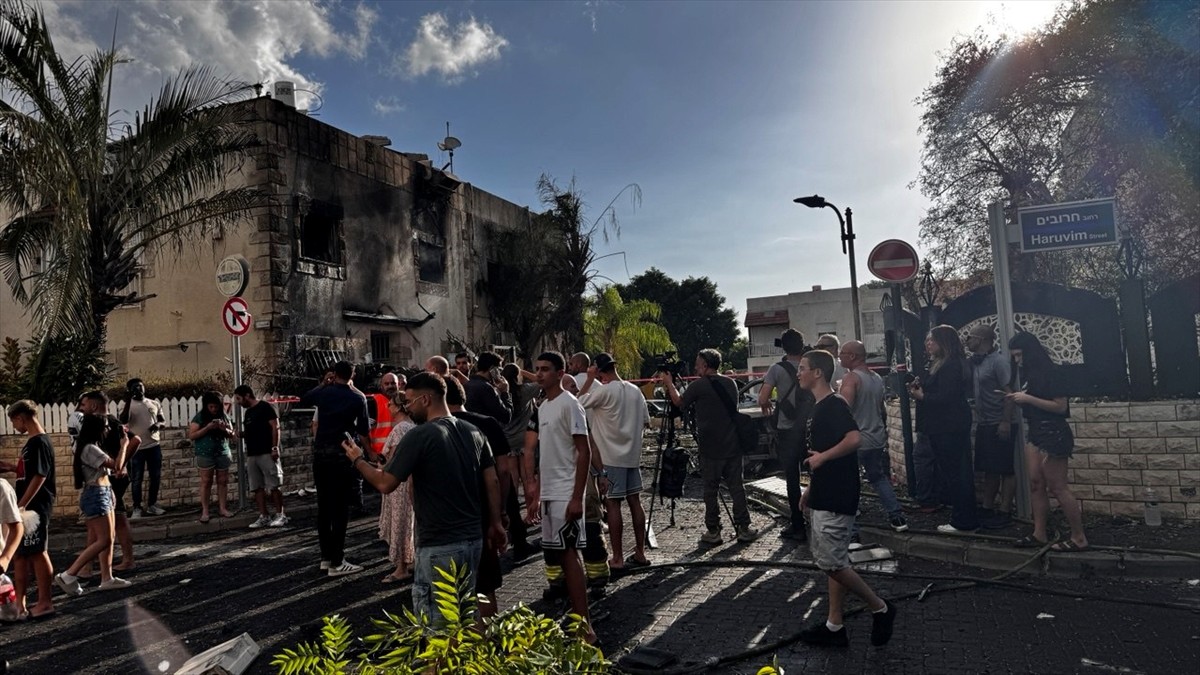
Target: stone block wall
[[180, 480], [1121, 449]]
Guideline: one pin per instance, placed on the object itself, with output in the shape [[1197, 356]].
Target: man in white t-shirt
[[12, 530], [555, 492], [618, 417]]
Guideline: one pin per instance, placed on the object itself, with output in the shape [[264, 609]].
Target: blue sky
[[721, 112]]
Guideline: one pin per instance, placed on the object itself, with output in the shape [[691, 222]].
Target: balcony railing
[[761, 350]]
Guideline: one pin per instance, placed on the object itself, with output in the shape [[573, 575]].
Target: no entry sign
[[893, 260], [236, 317]]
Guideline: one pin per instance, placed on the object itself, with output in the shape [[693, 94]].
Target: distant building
[[369, 254], [813, 313]]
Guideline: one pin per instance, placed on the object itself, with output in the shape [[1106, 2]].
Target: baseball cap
[[604, 362]]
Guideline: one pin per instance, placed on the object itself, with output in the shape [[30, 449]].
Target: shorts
[[488, 577], [263, 472], [219, 462], [994, 454], [119, 486], [431, 558], [1052, 436], [96, 501], [558, 533], [623, 482], [37, 530], [830, 542]]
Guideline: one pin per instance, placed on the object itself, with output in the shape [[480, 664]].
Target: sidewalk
[[994, 551]]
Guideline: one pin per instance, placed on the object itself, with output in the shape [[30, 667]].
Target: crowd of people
[[449, 448]]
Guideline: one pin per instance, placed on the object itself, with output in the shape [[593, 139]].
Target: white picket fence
[[177, 411]]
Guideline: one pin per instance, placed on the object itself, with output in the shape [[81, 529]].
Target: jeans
[[953, 453], [331, 474], [790, 447], [146, 458], [712, 472], [875, 463], [925, 466], [429, 559]]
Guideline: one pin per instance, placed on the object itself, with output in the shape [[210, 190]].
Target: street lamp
[[818, 202]]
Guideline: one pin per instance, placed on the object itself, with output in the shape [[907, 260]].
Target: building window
[[829, 327], [320, 230], [872, 322], [430, 254], [381, 347]]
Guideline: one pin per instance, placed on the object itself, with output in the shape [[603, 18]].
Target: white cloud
[[249, 41], [387, 105], [451, 52]]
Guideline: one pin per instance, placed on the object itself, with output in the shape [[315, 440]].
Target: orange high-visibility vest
[[383, 423]]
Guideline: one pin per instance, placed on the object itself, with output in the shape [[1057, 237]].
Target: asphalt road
[[190, 596]]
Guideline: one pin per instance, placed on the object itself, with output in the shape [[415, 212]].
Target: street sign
[[233, 273], [893, 260], [236, 317], [1052, 227]]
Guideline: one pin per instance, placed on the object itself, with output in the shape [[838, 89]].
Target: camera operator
[[790, 412], [720, 456]]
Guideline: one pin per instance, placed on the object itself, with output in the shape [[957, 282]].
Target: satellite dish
[[449, 144]]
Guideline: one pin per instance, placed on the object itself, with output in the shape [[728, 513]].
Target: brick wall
[[1121, 448], [180, 479]]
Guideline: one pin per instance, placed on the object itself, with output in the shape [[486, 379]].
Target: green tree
[[693, 312], [1104, 100], [624, 329], [87, 196]]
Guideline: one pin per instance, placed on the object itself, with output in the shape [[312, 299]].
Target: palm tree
[[624, 329], [83, 198]]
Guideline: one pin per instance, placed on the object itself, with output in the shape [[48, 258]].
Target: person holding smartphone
[[210, 431], [487, 391]]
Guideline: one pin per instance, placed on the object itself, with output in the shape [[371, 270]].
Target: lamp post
[[847, 224]]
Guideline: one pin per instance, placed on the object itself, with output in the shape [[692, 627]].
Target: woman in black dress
[[1049, 441]]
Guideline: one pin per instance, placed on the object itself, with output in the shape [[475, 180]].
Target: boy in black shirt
[[832, 495], [35, 494]]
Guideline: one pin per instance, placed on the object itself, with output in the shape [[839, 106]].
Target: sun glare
[[1016, 17]]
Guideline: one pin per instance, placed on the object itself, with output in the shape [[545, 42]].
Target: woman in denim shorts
[[1049, 442], [210, 431], [96, 501]]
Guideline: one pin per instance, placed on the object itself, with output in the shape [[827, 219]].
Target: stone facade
[[1121, 449], [180, 479]]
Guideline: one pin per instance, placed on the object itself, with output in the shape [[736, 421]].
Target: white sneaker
[[344, 569], [950, 529], [278, 521], [113, 584], [325, 564], [69, 584], [262, 521], [137, 513], [155, 510]]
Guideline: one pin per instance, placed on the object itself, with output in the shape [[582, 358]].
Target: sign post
[[897, 262], [1005, 329], [235, 316]]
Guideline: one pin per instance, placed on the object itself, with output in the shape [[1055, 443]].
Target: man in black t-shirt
[[832, 495], [264, 473]]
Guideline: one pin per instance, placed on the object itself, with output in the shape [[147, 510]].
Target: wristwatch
[[597, 474], [275, 448]]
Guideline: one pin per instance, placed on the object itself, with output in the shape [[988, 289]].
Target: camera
[[668, 362]]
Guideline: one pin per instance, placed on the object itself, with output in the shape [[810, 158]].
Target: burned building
[[366, 253]]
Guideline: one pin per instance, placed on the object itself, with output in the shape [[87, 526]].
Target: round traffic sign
[[893, 260], [233, 273], [236, 316]]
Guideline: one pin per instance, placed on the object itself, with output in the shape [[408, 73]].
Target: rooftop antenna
[[449, 144]]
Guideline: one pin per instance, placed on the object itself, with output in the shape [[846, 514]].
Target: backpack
[[673, 473], [783, 405], [743, 424]]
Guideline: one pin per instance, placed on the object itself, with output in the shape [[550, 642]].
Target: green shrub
[[518, 642]]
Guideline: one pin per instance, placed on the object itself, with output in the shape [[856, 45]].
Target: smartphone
[[349, 437]]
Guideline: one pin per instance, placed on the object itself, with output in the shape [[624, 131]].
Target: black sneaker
[[881, 625], [819, 635], [793, 534]]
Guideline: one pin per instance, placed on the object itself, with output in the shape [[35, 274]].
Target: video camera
[[668, 362]]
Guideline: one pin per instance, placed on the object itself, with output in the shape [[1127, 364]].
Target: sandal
[[1068, 546], [1029, 541], [393, 579], [631, 562], [203, 519]]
